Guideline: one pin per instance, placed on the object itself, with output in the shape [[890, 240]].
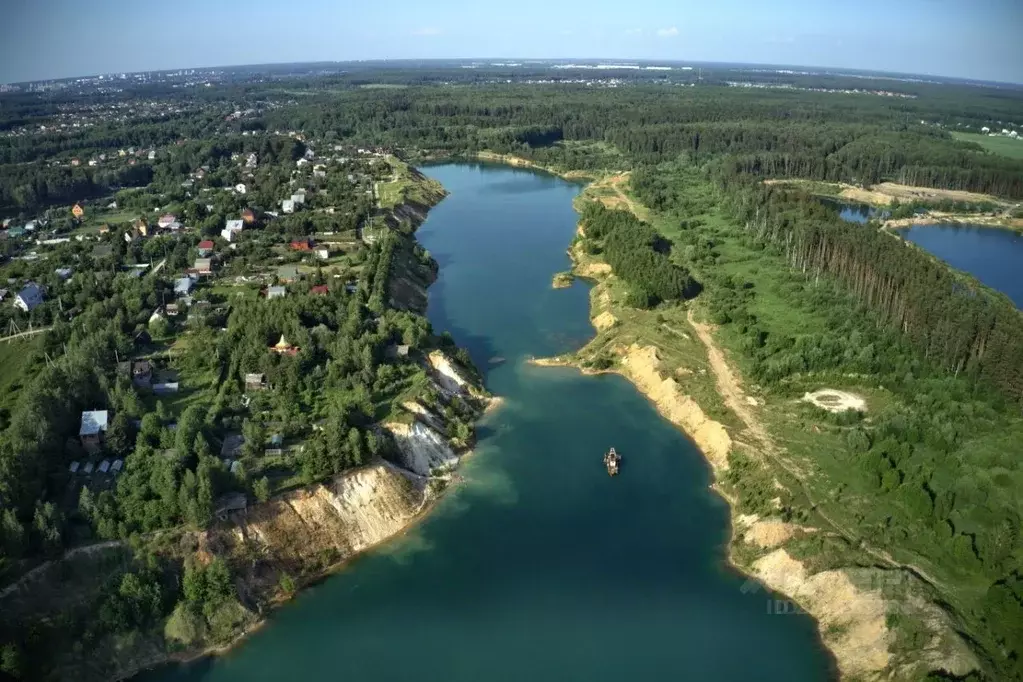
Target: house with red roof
[[302, 245], [319, 290], [206, 247]]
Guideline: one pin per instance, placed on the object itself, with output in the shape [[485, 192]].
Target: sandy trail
[[729, 388], [735, 399]]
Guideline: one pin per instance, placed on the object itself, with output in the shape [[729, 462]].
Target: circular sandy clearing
[[833, 400]]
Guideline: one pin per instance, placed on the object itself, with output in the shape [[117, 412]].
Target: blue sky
[[61, 38]]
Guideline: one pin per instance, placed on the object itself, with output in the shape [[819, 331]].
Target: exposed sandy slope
[[770, 533], [852, 620], [833, 400], [882, 194], [603, 321], [641, 365], [942, 218], [906, 193], [306, 531]]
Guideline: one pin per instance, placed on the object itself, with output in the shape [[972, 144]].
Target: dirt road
[[729, 387]]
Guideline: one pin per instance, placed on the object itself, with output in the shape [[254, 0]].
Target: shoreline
[[953, 220]]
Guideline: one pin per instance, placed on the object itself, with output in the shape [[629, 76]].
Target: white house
[[240, 188], [302, 162], [1014, 134], [288, 206], [29, 297], [231, 229], [298, 197], [985, 129]]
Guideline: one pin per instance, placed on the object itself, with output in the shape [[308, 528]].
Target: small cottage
[[92, 430]]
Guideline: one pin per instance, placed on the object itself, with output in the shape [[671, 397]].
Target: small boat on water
[[612, 460]]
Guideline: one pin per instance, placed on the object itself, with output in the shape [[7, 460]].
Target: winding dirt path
[[729, 387]]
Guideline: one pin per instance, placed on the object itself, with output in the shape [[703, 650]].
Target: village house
[[232, 228], [230, 503], [166, 220], [287, 206], [298, 197], [206, 247], [302, 245], [275, 292], [240, 188], [251, 161], [255, 382], [276, 446], [142, 374], [320, 290], [183, 286], [248, 216], [77, 211], [93, 428], [323, 253], [203, 266], [29, 297]]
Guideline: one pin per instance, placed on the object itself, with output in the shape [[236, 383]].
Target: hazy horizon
[[818, 68], [941, 38]]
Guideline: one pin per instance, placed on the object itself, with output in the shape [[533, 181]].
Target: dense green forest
[[639, 255]]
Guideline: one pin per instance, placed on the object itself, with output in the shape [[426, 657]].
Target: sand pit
[[834, 400]]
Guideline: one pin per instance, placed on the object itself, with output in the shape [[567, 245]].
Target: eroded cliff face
[[304, 532], [451, 378], [422, 449]]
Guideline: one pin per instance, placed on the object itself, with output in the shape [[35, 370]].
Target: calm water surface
[[853, 212], [992, 255], [539, 566]]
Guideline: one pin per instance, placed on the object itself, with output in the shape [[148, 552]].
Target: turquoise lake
[[538, 566]]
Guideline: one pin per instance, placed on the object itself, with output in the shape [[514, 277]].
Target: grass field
[[1005, 146]]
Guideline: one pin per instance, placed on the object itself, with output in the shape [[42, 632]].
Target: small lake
[[853, 212], [539, 566], [992, 255]]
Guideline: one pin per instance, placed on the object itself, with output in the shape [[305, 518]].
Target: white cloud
[[634, 32], [426, 31], [667, 32]]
